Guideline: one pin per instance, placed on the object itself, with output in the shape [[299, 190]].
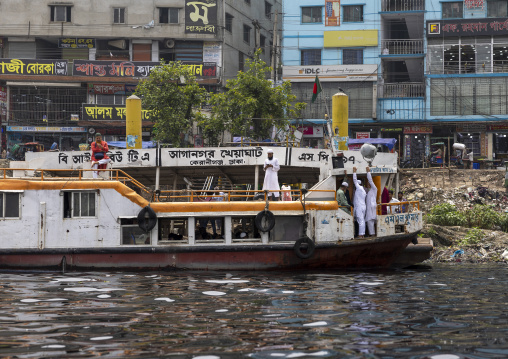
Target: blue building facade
[[467, 73], [338, 41], [437, 73]]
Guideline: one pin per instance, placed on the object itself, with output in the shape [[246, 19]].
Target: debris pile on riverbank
[[449, 246], [462, 188]]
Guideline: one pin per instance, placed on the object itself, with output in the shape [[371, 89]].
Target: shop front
[[67, 138], [498, 136], [416, 143]]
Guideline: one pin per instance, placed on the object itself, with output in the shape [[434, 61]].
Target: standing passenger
[[271, 168], [371, 202], [341, 198], [359, 205]]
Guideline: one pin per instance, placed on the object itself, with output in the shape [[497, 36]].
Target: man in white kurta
[[359, 205], [271, 182], [371, 203]]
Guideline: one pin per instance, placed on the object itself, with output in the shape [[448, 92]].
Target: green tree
[[251, 106], [171, 93]]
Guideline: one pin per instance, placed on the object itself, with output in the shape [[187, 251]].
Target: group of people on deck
[[365, 203]]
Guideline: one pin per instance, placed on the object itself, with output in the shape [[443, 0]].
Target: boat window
[[209, 228], [79, 204], [9, 206], [244, 229], [132, 234], [287, 228], [173, 230]]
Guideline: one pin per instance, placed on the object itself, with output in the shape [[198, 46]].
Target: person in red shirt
[[100, 157]]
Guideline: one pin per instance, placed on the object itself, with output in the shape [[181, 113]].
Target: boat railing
[[187, 195], [114, 174], [399, 207]]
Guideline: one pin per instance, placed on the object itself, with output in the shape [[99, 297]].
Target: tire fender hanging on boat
[[147, 219], [265, 220], [304, 247]]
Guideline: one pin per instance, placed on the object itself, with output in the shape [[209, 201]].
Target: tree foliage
[[170, 93], [251, 106]]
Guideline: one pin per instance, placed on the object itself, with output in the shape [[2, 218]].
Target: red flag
[[316, 90]]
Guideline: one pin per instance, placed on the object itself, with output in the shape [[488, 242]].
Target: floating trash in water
[[315, 324], [227, 281], [371, 283], [103, 296], [90, 289], [102, 338], [214, 293], [438, 284], [206, 357], [221, 310], [73, 280], [53, 346], [368, 293], [33, 300], [444, 356], [287, 291], [166, 299]]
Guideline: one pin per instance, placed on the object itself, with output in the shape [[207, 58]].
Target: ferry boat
[[54, 215]]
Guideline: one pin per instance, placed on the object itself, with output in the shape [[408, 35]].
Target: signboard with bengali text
[[92, 112], [33, 67]]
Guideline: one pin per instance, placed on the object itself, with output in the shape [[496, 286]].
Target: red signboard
[[362, 135], [410, 130]]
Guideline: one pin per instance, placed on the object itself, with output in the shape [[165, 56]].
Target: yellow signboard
[[351, 38]]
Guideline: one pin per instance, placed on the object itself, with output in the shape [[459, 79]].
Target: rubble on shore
[[464, 189]]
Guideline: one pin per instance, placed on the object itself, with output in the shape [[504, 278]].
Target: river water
[[442, 312]]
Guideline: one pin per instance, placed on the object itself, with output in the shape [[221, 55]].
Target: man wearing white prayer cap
[[341, 197], [359, 205], [271, 167]]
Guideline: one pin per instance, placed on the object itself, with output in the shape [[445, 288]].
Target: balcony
[[402, 90], [402, 47], [402, 5]]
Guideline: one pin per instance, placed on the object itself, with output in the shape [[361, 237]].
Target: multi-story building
[[338, 40], [438, 69], [67, 67], [467, 74]]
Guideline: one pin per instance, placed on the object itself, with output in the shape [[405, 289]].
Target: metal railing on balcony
[[402, 5], [402, 89], [402, 47]]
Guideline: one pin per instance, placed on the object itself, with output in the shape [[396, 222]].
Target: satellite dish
[[169, 43], [368, 152]]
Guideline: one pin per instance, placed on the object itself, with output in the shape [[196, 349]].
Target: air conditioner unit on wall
[[169, 43]]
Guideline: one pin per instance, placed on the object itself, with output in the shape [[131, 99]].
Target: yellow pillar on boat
[[377, 182], [133, 122], [340, 113]]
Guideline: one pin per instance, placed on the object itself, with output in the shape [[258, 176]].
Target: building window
[[453, 10], [110, 99], [247, 2], [497, 8], [262, 42], [241, 61], [352, 56], [268, 10], [9, 205], [246, 33], [353, 13], [119, 15], [79, 204], [229, 22], [168, 15], [312, 14], [60, 13], [311, 57]]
